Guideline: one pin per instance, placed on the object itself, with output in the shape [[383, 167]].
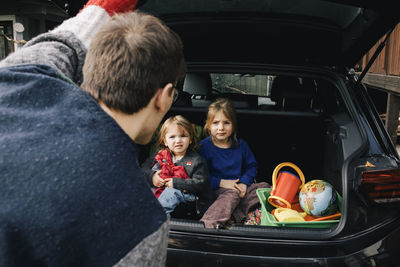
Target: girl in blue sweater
[[232, 167]]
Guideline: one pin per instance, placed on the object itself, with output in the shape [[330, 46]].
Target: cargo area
[[276, 137], [305, 126]]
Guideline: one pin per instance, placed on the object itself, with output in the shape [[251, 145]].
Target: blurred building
[[21, 20], [383, 80]]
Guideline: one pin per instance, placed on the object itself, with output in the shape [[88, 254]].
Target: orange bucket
[[285, 186]]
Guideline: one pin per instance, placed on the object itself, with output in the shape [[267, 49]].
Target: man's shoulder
[[25, 78], [28, 69]]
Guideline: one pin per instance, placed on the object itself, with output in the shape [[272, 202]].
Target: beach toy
[[288, 215], [318, 198], [285, 185]]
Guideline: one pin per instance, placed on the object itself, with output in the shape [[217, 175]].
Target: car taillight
[[382, 187]]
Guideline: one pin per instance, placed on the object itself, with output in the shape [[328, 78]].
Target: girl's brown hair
[[179, 121], [226, 106]]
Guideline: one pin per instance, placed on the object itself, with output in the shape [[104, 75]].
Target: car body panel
[[307, 31], [374, 248]]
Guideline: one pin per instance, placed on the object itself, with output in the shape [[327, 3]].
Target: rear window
[[242, 83], [264, 91]]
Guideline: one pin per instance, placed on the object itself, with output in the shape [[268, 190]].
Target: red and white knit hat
[[113, 6], [87, 22]]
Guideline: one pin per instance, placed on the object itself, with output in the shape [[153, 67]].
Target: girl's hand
[[169, 182], [242, 189], [229, 184], [157, 180]]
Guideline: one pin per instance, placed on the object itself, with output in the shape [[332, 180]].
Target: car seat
[[293, 93], [184, 98], [199, 85]]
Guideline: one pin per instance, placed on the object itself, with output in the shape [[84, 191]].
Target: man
[[71, 190]]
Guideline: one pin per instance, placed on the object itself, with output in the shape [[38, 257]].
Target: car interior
[[283, 119]]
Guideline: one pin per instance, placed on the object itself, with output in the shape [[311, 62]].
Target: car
[[287, 66]]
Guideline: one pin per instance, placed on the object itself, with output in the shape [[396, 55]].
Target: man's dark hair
[[129, 59]]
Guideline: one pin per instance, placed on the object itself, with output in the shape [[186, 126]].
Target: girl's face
[[177, 139], [221, 128]]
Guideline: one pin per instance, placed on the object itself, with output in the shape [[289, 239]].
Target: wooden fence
[[384, 75], [388, 62]]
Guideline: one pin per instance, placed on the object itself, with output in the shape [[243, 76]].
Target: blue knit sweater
[[71, 191], [236, 162]]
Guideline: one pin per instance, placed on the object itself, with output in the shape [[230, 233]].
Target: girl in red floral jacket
[[177, 172]]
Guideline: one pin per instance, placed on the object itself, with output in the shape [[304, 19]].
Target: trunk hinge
[[374, 56]]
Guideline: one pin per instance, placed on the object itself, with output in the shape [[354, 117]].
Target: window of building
[[6, 36]]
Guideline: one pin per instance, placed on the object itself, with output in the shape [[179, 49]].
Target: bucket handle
[[287, 164]]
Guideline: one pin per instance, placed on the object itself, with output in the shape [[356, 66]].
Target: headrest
[[283, 84], [293, 93], [197, 83]]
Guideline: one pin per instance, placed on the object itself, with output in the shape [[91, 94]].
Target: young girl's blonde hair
[[226, 106], [179, 121]]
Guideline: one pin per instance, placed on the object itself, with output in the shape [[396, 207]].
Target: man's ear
[[163, 98]]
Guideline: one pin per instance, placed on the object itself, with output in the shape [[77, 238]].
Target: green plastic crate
[[267, 219]]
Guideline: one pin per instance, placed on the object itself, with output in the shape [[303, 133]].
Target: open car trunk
[[305, 119], [285, 66]]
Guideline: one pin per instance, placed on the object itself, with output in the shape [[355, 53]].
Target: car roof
[[332, 33]]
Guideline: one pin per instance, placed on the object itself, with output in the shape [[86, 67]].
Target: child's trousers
[[228, 203], [171, 197]]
